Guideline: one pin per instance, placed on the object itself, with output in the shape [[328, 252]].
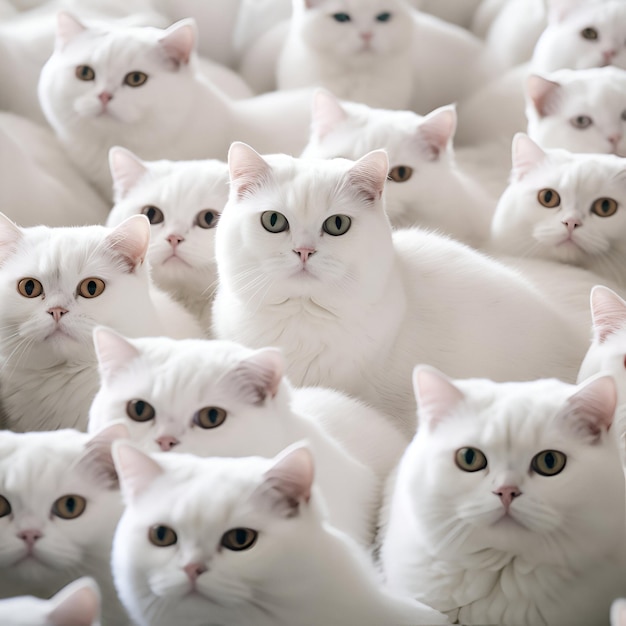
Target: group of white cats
[[315, 366]]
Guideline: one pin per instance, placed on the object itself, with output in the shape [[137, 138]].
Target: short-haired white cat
[[240, 542], [514, 494]]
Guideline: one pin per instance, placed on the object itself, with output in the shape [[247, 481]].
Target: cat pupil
[[161, 530], [469, 456], [91, 287], [550, 460], [273, 219], [139, 407], [29, 287], [213, 415], [548, 196], [240, 536]]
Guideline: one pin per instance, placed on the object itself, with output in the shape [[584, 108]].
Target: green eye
[[162, 536], [84, 72], [383, 17], [470, 459], [337, 225], [238, 539], [274, 222], [548, 462], [135, 79], [341, 17]]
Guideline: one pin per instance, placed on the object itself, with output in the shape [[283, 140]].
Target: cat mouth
[[174, 259]]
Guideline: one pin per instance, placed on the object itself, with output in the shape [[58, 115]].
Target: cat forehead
[[358, 6], [597, 14]]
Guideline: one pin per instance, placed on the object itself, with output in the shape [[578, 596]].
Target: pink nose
[[193, 570], [608, 54], [367, 36], [571, 223], [57, 312], [105, 96], [507, 494], [175, 240], [167, 442], [304, 253], [29, 537], [614, 139]]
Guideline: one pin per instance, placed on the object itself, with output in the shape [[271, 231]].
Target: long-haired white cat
[[183, 201], [59, 506], [240, 542], [56, 284], [513, 493]]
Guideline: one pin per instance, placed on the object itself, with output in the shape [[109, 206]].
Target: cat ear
[[369, 174], [179, 41], [136, 470], [77, 604], [558, 10], [10, 235], [608, 312], [436, 395], [67, 28], [311, 4], [130, 241], [618, 612], [257, 376], [542, 93], [436, 131], [248, 169], [526, 155], [126, 170], [327, 113], [113, 351]]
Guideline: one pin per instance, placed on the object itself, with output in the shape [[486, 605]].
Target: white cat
[[77, 604], [425, 186], [183, 201], [618, 613], [513, 493], [307, 262], [578, 110], [564, 207], [246, 543], [56, 284], [59, 505]]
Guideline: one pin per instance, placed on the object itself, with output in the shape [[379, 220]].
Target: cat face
[[580, 110], [58, 283]]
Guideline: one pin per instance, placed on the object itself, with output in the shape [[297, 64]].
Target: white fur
[[618, 612]]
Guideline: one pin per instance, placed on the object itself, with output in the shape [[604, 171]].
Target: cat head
[[578, 110], [199, 396], [237, 532], [525, 468], [58, 283], [304, 228], [77, 604], [183, 201], [564, 207]]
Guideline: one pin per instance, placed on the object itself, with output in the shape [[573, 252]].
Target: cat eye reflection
[[400, 173], [581, 121], [153, 213], [5, 507], [589, 33], [91, 287], [337, 225], [210, 417], [604, 207], [69, 507], [341, 17], [470, 459], [238, 539], [548, 462], [274, 222], [162, 536], [549, 198], [383, 17], [30, 287], [207, 218], [135, 79], [140, 410], [84, 72]]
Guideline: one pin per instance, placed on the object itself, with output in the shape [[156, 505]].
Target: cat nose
[[304, 253], [193, 570], [614, 138], [105, 96], [608, 54], [367, 36], [29, 537], [175, 240], [57, 312], [571, 223], [167, 442], [507, 494]]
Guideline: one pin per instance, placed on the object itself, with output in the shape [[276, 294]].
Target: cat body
[[514, 495]]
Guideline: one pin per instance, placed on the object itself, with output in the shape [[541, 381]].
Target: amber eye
[[470, 459], [210, 417], [400, 173], [69, 507], [30, 287], [135, 79], [581, 121], [207, 218], [162, 536], [337, 225], [84, 72], [154, 214], [140, 411], [274, 222], [91, 287], [589, 33], [5, 507], [548, 462], [604, 207], [238, 539], [549, 198]]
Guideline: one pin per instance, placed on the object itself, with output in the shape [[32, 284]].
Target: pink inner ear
[[608, 312], [248, 169], [591, 409], [126, 170], [114, 352], [67, 28], [180, 40], [130, 240], [327, 113], [437, 130], [293, 473], [136, 470], [542, 93], [10, 235], [369, 174], [78, 605], [526, 155], [436, 395]]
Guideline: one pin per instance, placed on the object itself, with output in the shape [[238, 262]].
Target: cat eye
[[589, 33], [549, 198], [210, 417], [238, 539], [91, 287], [69, 507], [341, 17], [135, 79], [140, 410], [470, 459], [154, 214], [337, 225], [84, 72], [274, 222], [207, 218], [604, 207], [548, 462], [383, 17], [5, 507], [30, 287], [400, 173], [162, 536], [581, 121]]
